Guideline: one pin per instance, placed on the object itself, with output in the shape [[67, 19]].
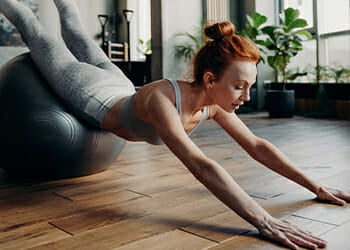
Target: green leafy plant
[[294, 74], [322, 74], [190, 43], [253, 30], [284, 40], [145, 47], [340, 74]]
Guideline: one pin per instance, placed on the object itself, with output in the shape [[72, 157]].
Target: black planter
[[335, 91], [280, 103]]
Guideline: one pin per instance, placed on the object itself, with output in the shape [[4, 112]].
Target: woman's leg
[[44, 48], [88, 90], [77, 40]]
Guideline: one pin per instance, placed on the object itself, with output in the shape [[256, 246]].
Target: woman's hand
[[334, 196], [290, 235]]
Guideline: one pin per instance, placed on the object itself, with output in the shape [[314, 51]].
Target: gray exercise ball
[[39, 137]]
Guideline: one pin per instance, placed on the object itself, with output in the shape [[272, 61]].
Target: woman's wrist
[[315, 188], [320, 189], [308, 183], [260, 219], [263, 222]]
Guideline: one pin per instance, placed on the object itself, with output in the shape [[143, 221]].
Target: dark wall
[[238, 11], [117, 22], [157, 40]]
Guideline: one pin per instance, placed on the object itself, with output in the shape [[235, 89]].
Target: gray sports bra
[[145, 131]]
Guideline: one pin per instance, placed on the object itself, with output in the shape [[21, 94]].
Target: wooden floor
[[149, 200]]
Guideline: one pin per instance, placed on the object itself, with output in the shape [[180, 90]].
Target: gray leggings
[[78, 71]]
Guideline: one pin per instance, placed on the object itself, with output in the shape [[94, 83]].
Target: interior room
[[190, 169]]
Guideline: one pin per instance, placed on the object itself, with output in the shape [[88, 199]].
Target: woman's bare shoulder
[[155, 90], [152, 96], [156, 86]]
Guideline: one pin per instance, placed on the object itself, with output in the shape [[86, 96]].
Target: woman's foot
[[12, 10], [22, 17]]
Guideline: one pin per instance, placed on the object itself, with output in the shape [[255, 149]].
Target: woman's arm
[[270, 156], [165, 118]]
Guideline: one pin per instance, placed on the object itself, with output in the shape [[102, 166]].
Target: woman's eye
[[239, 87]]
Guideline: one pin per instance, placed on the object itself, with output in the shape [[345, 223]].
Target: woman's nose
[[245, 96]]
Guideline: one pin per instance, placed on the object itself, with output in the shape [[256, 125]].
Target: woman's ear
[[208, 79]]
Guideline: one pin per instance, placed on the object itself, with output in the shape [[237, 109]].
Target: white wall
[[178, 16], [89, 9], [140, 25]]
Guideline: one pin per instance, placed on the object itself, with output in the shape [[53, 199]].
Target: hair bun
[[218, 31]]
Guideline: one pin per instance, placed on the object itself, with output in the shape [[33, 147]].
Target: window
[[331, 45], [335, 16], [306, 57], [334, 30], [336, 50]]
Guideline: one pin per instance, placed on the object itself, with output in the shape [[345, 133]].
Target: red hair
[[223, 47]]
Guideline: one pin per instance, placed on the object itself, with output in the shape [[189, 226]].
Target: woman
[[166, 111]]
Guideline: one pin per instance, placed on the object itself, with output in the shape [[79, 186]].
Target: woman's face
[[232, 89]]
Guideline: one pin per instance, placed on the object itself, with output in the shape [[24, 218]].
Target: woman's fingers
[[301, 241], [345, 196], [306, 239], [280, 237], [332, 197], [288, 242], [291, 236], [338, 201]]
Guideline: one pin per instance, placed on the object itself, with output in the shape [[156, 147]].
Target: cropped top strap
[[179, 105], [177, 96], [143, 130], [204, 118]]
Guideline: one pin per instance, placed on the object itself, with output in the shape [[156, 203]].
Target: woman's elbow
[[261, 146]]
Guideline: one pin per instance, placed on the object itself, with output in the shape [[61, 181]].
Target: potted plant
[[145, 47], [253, 30], [283, 41], [189, 43], [331, 81]]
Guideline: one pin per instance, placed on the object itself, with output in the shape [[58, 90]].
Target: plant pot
[[343, 109], [148, 76], [301, 90], [280, 103], [335, 91]]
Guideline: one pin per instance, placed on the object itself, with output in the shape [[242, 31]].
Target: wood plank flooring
[[149, 200]]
